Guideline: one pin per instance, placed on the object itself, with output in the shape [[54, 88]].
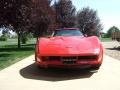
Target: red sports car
[[69, 48]]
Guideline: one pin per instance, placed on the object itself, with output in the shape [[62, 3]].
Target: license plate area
[[69, 60]]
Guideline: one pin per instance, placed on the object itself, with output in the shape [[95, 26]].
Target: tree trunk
[[37, 38], [19, 36]]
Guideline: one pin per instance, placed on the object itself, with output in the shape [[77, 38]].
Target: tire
[[39, 67], [95, 67]]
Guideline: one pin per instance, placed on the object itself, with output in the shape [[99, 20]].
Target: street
[[24, 75]]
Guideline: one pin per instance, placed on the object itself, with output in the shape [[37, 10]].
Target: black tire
[[38, 66], [95, 67]]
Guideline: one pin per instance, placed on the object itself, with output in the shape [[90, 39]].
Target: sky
[[108, 11]]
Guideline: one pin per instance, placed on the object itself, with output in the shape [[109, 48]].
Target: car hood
[[68, 45]]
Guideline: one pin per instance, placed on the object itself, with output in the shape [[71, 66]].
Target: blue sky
[[108, 10]]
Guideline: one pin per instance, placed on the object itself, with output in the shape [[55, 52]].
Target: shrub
[[24, 38], [3, 38]]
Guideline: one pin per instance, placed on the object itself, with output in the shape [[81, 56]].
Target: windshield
[[67, 32]]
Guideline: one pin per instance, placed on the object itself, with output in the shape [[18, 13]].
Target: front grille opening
[[87, 57], [50, 58], [69, 62], [54, 58], [68, 58]]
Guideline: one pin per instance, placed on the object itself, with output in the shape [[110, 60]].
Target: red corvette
[[69, 48]]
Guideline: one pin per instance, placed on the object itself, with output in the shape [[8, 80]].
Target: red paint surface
[[68, 46]]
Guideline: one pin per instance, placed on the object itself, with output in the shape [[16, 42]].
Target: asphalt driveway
[[24, 75]]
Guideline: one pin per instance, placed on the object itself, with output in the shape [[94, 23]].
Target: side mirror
[[49, 36], [85, 35]]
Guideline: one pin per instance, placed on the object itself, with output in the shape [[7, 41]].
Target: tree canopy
[[36, 15], [41, 16], [65, 13], [24, 15], [15, 13], [89, 22], [112, 29]]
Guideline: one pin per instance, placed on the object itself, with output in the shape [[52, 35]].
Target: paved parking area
[[25, 76], [112, 49]]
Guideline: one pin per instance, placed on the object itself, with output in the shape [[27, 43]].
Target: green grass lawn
[[105, 39], [10, 54]]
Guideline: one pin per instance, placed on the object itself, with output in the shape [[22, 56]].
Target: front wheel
[[95, 67]]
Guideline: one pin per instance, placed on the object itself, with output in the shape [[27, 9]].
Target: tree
[[89, 22], [26, 16], [65, 13], [41, 16], [112, 29], [15, 13]]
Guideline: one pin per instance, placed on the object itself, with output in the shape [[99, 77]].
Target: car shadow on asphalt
[[54, 74]]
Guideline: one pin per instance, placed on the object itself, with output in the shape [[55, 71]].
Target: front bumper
[[60, 64]]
